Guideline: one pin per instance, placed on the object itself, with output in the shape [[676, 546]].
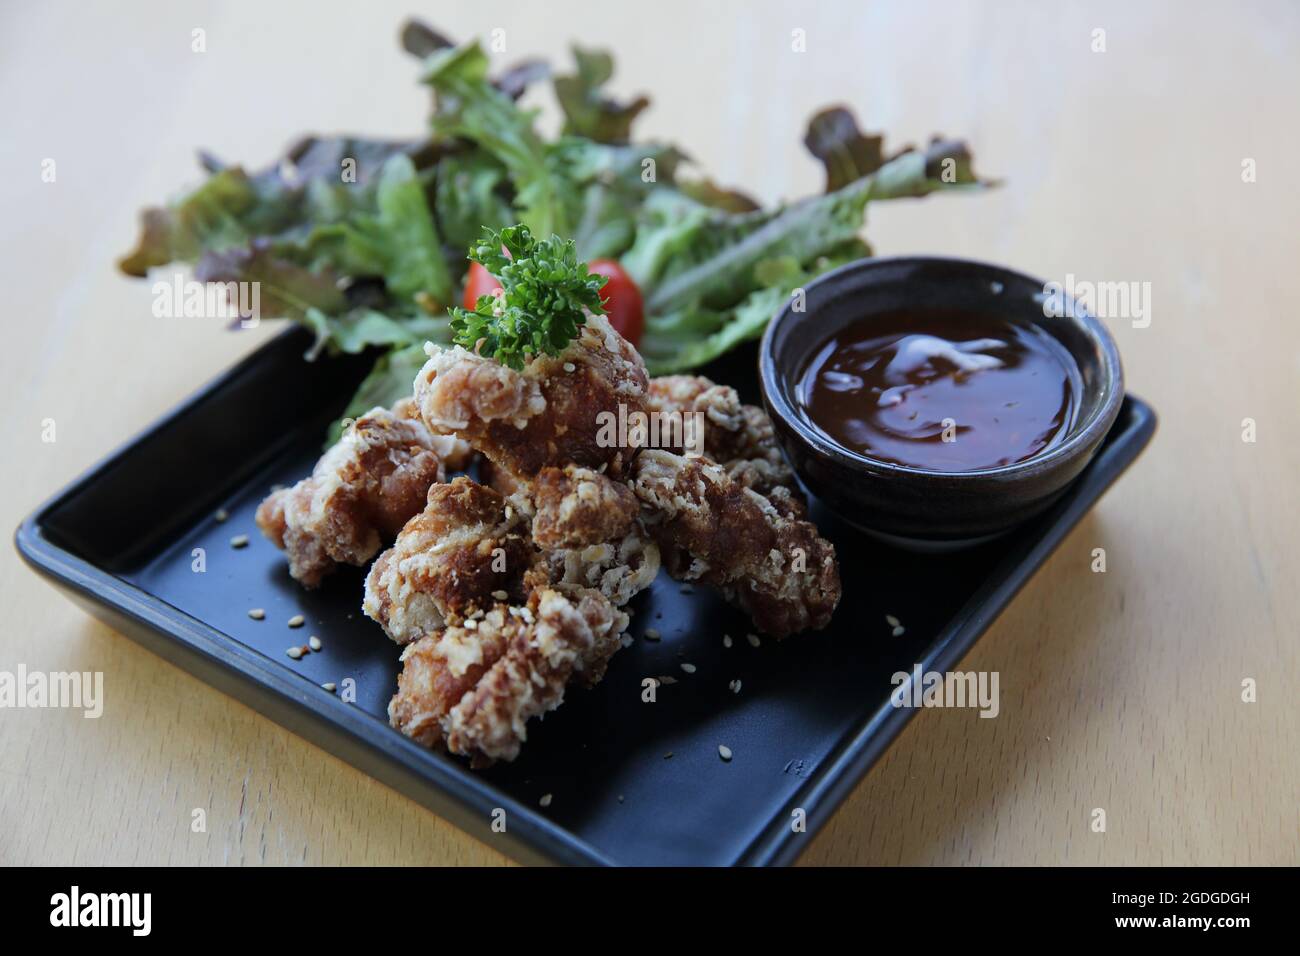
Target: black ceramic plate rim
[[552, 842], [1097, 426], [396, 760], [850, 761]]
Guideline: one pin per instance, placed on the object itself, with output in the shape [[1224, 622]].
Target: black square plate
[[812, 715]]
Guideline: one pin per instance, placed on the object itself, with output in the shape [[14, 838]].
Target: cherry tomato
[[478, 281], [622, 299]]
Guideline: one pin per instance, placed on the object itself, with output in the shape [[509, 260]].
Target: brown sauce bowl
[[914, 507]]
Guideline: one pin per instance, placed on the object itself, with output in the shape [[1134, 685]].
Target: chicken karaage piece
[[360, 493], [738, 437], [759, 553], [589, 532], [548, 413], [468, 549], [473, 688], [576, 506]]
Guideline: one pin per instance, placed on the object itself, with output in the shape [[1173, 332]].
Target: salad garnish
[[540, 307], [363, 240]]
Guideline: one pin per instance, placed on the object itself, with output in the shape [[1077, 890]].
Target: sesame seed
[[329, 686], [735, 686], [669, 755], [724, 751], [726, 640], [898, 631], [689, 668], [569, 366], [665, 679], [297, 621], [222, 514], [239, 541], [256, 613], [891, 620], [313, 642], [294, 652], [546, 800], [753, 640], [651, 634], [500, 595]]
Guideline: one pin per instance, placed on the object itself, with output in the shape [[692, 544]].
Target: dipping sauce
[[942, 390]]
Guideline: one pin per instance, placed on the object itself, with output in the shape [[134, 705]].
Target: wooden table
[[1120, 690]]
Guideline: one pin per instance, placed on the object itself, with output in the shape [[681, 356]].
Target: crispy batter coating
[[589, 531], [546, 414], [468, 544], [439, 669], [577, 506], [738, 437], [760, 554], [456, 453], [620, 569], [695, 393], [474, 689], [506, 592], [360, 493]]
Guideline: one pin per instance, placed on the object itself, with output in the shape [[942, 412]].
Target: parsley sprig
[[540, 308]]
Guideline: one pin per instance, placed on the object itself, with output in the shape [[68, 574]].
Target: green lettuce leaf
[[471, 191], [421, 40], [372, 258], [470, 107], [612, 184], [689, 253], [290, 197], [413, 260], [211, 217], [362, 328], [695, 335], [846, 152], [286, 290], [588, 112], [712, 279], [392, 378]]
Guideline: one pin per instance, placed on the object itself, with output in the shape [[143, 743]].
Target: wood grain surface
[[1120, 690]]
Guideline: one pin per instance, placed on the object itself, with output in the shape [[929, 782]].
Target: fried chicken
[[759, 553], [504, 593], [477, 671], [456, 453], [577, 506], [548, 413], [738, 437], [360, 493], [589, 531], [441, 668], [473, 689], [467, 548]]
